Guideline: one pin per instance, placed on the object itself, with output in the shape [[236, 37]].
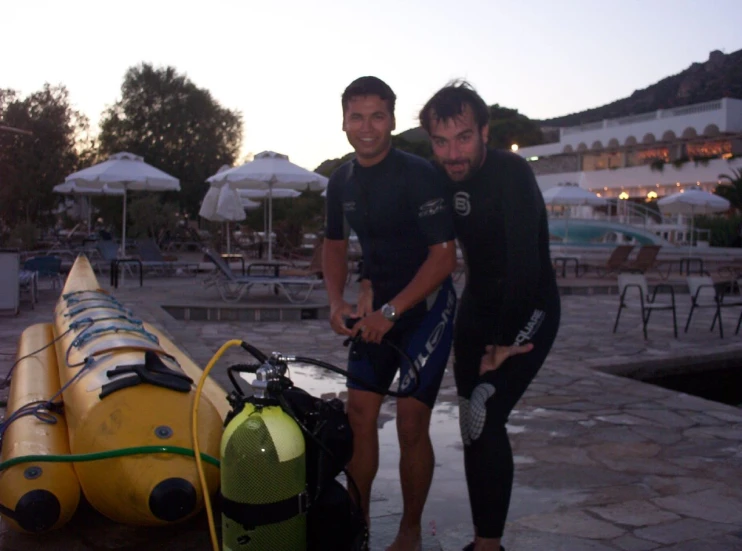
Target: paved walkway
[[603, 462]]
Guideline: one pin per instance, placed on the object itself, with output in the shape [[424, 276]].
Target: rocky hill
[[720, 76]]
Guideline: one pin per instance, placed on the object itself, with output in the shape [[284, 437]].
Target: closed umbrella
[[222, 204], [70, 188]]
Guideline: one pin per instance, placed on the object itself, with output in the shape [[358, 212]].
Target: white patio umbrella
[[123, 171], [571, 195], [270, 171], [70, 188], [692, 201]]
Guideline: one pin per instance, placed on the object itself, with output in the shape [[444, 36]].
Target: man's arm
[[439, 264], [334, 251], [335, 268]]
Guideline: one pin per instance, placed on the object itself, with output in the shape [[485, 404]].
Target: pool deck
[[603, 462]]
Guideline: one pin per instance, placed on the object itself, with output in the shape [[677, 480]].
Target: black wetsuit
[[398, 210], [510, 297]]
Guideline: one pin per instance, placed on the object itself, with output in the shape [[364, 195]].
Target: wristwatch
[[389, 312]]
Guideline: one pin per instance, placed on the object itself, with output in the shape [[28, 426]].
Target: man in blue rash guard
[[509, 311], [395, 204]]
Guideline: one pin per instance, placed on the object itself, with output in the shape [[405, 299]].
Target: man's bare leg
[[486, 544], [363, 415], [416, 463]]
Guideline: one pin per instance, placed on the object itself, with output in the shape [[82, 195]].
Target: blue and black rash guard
[[502, 228], [398, 209]]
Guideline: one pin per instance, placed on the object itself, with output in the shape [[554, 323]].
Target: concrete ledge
[[659, 367]]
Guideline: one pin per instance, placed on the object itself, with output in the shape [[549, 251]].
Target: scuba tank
[[263, 471], [281, 452]]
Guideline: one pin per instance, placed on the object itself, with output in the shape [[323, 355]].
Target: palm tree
[[732, 189]]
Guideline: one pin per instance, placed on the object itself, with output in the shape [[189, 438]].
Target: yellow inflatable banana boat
[[124, 387], [36, 496]]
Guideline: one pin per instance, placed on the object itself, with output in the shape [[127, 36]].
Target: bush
[[723, 230], [23, 236]]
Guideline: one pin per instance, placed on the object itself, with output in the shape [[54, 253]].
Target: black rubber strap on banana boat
[[10, 513], [90, 332], [250, 515], [153, 371]]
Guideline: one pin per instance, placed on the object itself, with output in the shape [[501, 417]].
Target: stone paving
[[603, 462]]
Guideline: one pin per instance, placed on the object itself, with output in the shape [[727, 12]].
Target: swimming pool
[[576, 231]]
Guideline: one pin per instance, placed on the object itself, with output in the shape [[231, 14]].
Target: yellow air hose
[[196, 449]]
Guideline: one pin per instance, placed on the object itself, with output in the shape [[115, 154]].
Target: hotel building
[[645, 156]]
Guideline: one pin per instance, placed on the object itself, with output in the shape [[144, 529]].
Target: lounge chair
[[152, 257], [731, 269], [634, 292], [645, 260], [619, 256], [232, 287], [313, 270]]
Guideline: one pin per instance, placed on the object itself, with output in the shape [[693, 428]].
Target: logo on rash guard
[[527, 333], [433, 339], [461, 203], [349, 206], [429, 208]]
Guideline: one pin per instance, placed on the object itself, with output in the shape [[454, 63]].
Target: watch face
[[389, 312]]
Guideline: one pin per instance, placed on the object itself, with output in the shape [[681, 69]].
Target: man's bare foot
[[407, 541]]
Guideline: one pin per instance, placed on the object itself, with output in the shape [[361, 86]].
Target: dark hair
[[369, 86], [449, 102]]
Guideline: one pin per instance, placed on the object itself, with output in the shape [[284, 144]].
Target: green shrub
[[723, 229]]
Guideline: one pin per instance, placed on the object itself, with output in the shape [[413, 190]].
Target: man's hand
[[373, 327], [495, 356], [338, 312]]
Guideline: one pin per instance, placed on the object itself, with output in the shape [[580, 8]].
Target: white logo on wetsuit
[[429, 208], [461, 203], [531, 327], [433, 339], [349, 206]]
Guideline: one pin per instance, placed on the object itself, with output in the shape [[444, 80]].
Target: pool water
[[723, 384]]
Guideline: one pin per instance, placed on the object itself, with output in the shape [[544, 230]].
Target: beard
[[463, 168]]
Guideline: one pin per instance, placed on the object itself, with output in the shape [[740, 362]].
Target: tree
[[508, 127], [31, 165], [176, 126], [732, 189]]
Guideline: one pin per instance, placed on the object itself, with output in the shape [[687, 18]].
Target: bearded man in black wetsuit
[[395, 203], [509, 310]]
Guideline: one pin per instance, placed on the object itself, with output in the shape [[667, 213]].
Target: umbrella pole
[[270, 225], [123, 229], [690, 240], [228, 243], [123, 239]]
